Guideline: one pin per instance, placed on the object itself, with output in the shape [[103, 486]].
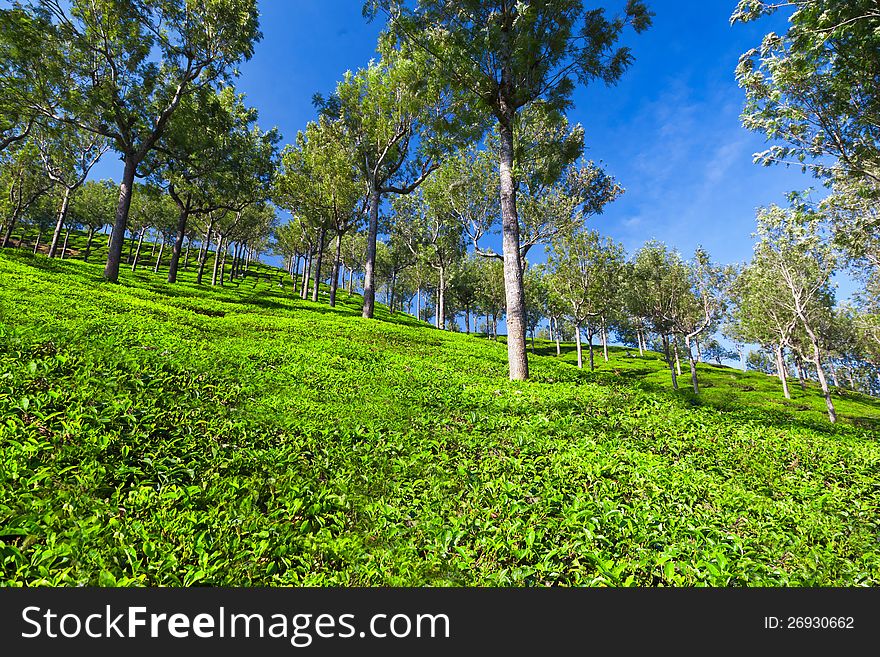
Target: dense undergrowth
[[177, 435]]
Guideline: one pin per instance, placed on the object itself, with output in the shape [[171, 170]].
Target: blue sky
[[669, 131]]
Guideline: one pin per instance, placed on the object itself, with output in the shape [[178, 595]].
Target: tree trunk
[[392, 286], [799, 365], [153, 251], [59, 224], [8, 234], [590, 334], [89, 239], [236, 248], [64, 246], [699, 352], [201, 254], [513, 273], [605, 340], [37, 243], [218, 256], [834, 374], [161, 251], [114, 255], [580, 350], [236, 262], [350, 282], [137, 253], [307, 273], [823, 382], [189, 244], [690, 355], [337, 263], [677, 359], [467, 320], [494, 327], [441, 300], [641, 343], [780, 370], [317, 284], [370, 264], [556, 334], [182, 219], [204, 257], [669, 361]]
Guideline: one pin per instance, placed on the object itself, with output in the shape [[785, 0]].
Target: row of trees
[[812, 91], [406, 131], [151, 81], [386, 133], [456, 133]]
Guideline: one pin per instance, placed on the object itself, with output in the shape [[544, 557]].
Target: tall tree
[[432, 234], [214, 156], [321, 182], [794, 245], [399, 116], [127, 66], [509, 54], [68, 154], [701, 307]]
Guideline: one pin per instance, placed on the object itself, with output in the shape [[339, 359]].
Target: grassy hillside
[[238, 436]]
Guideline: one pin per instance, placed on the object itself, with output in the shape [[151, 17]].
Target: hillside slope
[[239, 436]]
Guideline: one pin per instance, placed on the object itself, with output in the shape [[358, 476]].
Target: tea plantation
[[179, 435]]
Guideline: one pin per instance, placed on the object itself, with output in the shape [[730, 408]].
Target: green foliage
[[813, 89], [159, 435]]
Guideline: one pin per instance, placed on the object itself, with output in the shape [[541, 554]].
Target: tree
[[585, 273], [152, 208], [214, 156], [320, 182], [398, 115], [423, 224], [700, 306], [464, 288], [814, 88], [658, 282], [23, 181], [854, 213], [68, 154], [127, 66], [761, 313], [394, 257], [94, 208], [354, 255], [795, 248], [491, 298], [508, 55], [537, 290]]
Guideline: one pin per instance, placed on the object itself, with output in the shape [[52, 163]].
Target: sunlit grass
[[174, 435]]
